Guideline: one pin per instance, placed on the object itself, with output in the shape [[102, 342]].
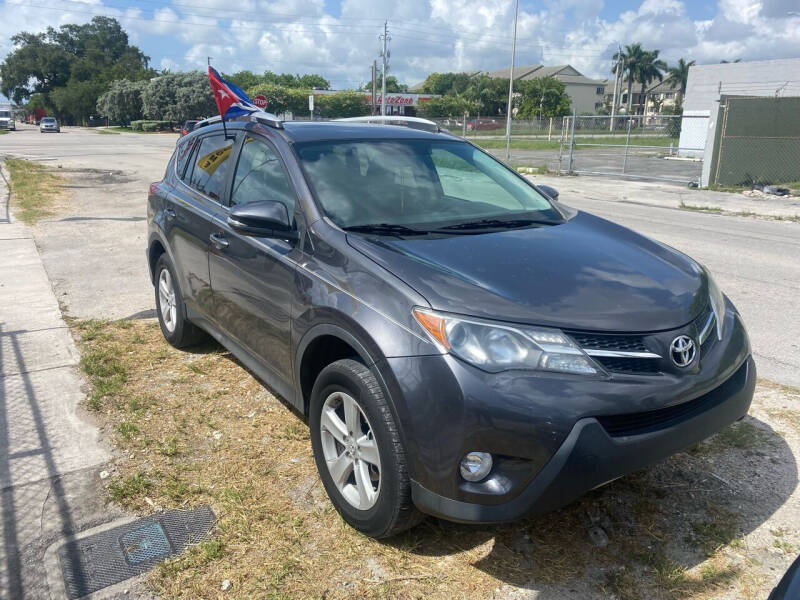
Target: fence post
[[571, 142], [550, 130], [464, 126], [627, 141]]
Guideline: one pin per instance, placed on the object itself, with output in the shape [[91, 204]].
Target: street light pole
[[511, 82], [385, 38], [616, 84]]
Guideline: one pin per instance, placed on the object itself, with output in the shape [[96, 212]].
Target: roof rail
[[412, 122], [262, 117]]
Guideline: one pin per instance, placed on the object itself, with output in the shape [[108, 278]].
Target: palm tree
[[627, 60], [679, 75], [648, 68]]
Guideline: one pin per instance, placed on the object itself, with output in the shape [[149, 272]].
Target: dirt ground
[[717, 521]]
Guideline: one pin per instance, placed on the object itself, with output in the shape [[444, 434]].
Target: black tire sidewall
[[176, 336], [378, 520]]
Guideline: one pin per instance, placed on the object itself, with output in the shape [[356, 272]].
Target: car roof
[[312, 131], [309, 131]]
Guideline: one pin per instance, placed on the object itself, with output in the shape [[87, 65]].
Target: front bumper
[[544, 428], [590, 457]]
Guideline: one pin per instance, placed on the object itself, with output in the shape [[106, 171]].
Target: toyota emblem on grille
[[682, 350]]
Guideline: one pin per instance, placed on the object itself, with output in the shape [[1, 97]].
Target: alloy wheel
[[350, 450], [166, 297]]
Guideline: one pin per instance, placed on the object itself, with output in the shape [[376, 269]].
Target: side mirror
[[267, 218], [551, 192]]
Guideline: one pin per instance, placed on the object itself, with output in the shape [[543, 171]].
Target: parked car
[[188, 126], [461, 344], [49, 124], [483, 124], [788, 587], [7, 117]]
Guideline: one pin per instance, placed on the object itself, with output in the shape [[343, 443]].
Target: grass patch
[[120, 129], [555, 144], [742, 435], [213, 435], [33, 189], [4, 131], [701, 208]]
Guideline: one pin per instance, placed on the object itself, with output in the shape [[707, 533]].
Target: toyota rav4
[[460, 342]]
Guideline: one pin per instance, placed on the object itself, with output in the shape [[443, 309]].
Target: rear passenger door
[[252, 277], [191, 212]]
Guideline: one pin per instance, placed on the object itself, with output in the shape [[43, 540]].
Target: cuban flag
[[231, 101]]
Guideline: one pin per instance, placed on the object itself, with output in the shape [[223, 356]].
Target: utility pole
[[374, 83], [511, 82], [617, 75], [385, 56], [208, 59]]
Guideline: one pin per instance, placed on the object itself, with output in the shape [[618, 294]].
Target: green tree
[[446, 83], [627, 62], [490, 95], [448, 106], [542, 97], [67, 64], [281, 99], [343, 104], [122, 103], [244, 79], [177, 97], [679, 77], [648, 69], [392, 85]]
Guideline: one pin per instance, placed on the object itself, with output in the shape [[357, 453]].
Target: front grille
[[620, 364], [597, 341]]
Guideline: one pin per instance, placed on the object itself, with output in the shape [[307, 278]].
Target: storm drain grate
[[117, 554]]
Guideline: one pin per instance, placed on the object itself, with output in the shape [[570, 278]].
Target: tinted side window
[[182, 153], [260, 176], [211, 163]]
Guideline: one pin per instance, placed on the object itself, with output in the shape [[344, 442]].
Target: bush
[[144, 125]]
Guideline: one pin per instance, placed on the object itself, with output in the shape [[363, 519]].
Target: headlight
[[717, 300], [496, 347]]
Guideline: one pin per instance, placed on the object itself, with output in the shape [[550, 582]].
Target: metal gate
[[635, 146]]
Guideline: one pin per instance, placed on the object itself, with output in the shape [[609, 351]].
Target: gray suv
[[461, 344]]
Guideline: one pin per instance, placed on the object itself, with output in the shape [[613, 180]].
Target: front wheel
[[358, 451]]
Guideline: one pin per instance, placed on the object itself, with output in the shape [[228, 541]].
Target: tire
[[177, 329], [393, 510]]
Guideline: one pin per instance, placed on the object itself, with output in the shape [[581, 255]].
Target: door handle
[[218, 239], [171, 214]]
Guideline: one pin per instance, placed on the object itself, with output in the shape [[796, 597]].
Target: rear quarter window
[[182, 153]]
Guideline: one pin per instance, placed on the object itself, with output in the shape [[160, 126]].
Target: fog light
[[476, 465]]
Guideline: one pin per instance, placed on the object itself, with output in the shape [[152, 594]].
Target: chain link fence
[[756, 143], [635, 146], [662, 147]]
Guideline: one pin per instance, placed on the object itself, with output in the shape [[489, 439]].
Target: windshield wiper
[[385, 229], [497, 224]]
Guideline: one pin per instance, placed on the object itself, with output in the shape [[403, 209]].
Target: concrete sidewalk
[[669, 195], [49, 456]]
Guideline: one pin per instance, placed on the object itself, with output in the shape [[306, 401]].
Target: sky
[[338, 39]]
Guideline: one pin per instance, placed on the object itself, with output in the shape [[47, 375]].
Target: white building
[[707, 83]]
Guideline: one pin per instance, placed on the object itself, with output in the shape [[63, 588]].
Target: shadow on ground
[[639, 534]]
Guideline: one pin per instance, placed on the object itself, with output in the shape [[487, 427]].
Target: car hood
[[586, 273]]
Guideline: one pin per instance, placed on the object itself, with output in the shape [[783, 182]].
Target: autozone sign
[[397, 99]]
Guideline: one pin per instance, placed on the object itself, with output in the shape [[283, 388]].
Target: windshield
[[417, 183], [4, 114], [48, 120]]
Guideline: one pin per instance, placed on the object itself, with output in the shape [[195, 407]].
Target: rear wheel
[[359, 454], [177, 329]]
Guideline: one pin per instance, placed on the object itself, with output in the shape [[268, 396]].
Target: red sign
[[260, 101], [396, 99]]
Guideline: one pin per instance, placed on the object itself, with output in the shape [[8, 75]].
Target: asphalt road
[[94, 253]]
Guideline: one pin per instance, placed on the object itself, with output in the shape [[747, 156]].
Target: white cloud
[[298, 36]]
